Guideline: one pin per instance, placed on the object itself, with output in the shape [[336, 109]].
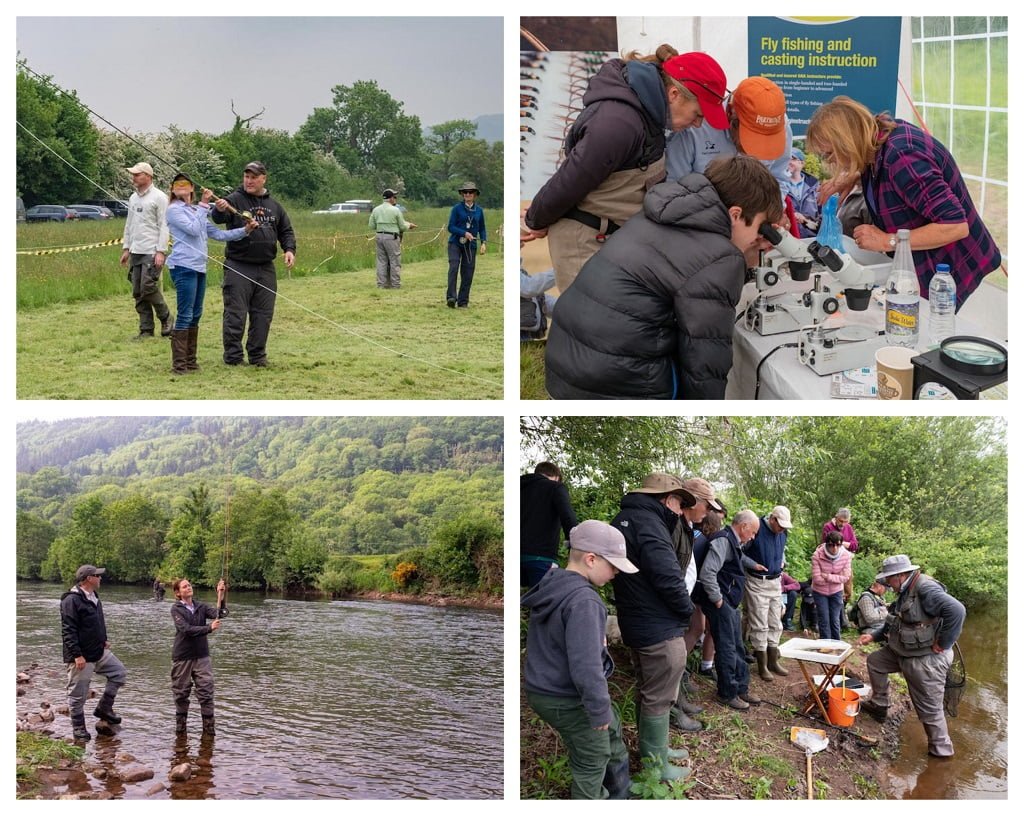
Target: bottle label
[[901, 319]]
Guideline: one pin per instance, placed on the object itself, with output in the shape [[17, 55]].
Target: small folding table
[[829, 654]]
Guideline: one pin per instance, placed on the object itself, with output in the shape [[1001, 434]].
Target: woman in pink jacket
[[831, 568]]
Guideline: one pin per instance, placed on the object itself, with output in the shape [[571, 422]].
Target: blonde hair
[[664, 52], [851, 130]]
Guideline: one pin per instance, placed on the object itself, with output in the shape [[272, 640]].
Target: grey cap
[[601, 539], [87, 571], [389, 193], [894, 565]]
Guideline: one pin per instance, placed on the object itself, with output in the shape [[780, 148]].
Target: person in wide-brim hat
[[466, 227]]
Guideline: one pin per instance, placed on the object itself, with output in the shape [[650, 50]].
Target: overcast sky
[[145, 73]]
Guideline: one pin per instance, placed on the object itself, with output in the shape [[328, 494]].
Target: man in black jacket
[[544, 509], [86, 650], [191, 664], [654, 608], [250, 280]]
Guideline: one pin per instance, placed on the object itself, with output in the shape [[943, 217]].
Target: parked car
[[336, 209], [50, 212], [91, 212], [118, 208]]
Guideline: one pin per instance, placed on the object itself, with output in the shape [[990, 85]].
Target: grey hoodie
[[566, 650]]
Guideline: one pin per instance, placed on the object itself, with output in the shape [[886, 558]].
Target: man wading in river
[[86, 650], [191, 664]]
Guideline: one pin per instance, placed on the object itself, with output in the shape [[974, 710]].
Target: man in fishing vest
[[389, 224], [762, 591], [721, 572], [144, 248], [923, 624], [87, 650], [250, 279], [190, 658]]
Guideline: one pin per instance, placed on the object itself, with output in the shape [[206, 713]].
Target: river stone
[[157, 788], [63, 709], [105, 728], [179, 773], [21, 690], [24, 678], [46, 714], [99, 773], [135, 773], [125, 758], [34, 718]]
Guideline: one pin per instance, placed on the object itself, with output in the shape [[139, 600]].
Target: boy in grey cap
[[568, 665]]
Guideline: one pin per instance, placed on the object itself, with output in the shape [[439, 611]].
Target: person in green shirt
[[388, 222]]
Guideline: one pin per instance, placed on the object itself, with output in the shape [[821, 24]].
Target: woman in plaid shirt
[[910, 181]]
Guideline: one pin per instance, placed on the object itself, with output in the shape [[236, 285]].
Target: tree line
[[277, 502], [934, 488], [355, 148]]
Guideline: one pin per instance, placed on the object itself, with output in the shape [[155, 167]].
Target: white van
[[334, 209]]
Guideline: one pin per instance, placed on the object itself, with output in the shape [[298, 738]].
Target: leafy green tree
[[483, 163], [135, 529], [82, 542], [440, 142], [34, 537], [258, 528], [55, 142]]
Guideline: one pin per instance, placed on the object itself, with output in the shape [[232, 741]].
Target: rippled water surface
[[315, 699]]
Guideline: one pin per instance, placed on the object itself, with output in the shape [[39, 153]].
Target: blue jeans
[[532, 569], [191, 290], [733, 674], [830, 614]]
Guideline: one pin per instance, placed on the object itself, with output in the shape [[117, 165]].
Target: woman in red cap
[[614, 151]]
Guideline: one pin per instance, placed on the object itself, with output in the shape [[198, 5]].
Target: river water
[[314, 699], [979, 732]]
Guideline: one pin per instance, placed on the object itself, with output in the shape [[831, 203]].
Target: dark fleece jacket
[[566, 651], [630, 111]]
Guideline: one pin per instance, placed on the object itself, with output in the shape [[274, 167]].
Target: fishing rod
[[225, 561]]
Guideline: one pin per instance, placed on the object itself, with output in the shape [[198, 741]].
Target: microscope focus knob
[[830, 306], [771, 278]]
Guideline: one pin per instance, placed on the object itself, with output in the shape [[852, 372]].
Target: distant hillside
[[491, 127]]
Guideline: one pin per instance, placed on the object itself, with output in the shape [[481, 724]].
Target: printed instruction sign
[[814, 59]]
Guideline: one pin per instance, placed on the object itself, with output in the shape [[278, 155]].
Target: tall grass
[[327, 244]]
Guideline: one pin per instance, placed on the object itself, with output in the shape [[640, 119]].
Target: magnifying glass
[[973, 355]]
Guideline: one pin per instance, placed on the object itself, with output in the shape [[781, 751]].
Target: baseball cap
[[702, 489], [258, 168], [389, 193], [141, 167], [760, 107], [88, 570], [604, 540], [705, 79], [797, 153], [781, 513]]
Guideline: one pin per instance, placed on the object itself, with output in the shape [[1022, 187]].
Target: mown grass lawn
[[334, 336]]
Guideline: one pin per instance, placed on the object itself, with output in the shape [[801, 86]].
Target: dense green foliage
[[273, 503], [932, 487], [354, 149]]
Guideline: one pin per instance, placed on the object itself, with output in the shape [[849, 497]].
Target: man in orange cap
[[756, 125]]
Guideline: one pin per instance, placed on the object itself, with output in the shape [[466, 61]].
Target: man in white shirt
[[144, 248]]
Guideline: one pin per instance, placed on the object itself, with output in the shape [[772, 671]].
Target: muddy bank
[[469, 602], [740, 754]]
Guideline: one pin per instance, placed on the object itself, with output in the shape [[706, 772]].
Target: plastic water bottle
[[830, 233], [902, 296], [942, 305]]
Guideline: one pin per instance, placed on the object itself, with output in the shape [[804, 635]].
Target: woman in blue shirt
[[189, 229], [465, 227]]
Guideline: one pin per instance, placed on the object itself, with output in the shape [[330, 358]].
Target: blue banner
[[814, 59]]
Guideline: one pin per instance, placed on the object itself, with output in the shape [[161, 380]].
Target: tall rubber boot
[[105, 709], [78, 730], [773, 662], [762, 667], [653, 733], [617, 781], [193, 347], [179, 351], [180, 722], [208, 724]]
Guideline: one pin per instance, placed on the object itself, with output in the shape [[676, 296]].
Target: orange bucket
[[843, 706]]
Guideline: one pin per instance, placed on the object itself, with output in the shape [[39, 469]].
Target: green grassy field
[[334, 335]]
